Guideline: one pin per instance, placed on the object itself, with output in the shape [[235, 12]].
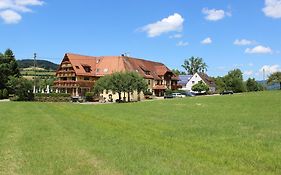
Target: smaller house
[[187, 81]]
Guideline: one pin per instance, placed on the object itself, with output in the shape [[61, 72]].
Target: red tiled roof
[[209, 81], [104, 65]]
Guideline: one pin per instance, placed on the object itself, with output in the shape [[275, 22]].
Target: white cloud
[[214, 14], [269, 69], [272, 8], [251, 64], [28, 2], [207, 41], [10, 16], [169, 24], [244, 42], [248, 72], [10, 9], [176, 36], [259, 50], [182, 44]]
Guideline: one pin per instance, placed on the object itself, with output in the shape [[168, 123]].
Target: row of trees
[[121, 82], [234, 81]]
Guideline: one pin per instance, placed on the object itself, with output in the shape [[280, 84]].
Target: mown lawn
[[238, 134]]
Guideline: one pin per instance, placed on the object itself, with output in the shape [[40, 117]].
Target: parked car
[[178, 95], [226, 92], [168, 96], [188, 94]]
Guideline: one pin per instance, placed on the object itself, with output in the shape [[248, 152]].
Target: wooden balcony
[[65, 65], [74, 84], [64, 71], [66, 74]]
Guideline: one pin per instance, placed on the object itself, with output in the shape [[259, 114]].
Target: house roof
[[184, 79], [103, 65], [209, 81]]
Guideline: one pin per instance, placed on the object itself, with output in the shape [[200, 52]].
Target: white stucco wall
[[194, 80]]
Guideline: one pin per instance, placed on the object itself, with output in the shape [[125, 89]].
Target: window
[[97, 70], [87, 69], [148, 82], [86, 78], [73, 79], [77, 67], [193, 82]]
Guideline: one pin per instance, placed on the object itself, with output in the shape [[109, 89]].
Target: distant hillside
[[39, 63]]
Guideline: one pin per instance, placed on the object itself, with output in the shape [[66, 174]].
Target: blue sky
[[227, 34]]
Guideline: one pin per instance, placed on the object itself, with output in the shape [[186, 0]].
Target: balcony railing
[[66, 75], [74, 84]]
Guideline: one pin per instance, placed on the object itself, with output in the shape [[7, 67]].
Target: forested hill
[[39, 63]]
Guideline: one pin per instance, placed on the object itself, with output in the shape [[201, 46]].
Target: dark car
[[226, 92], [168, 96]]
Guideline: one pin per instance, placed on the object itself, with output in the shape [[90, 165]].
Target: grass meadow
[[232, 134]]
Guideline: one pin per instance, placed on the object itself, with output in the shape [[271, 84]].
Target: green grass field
[[238, 134]]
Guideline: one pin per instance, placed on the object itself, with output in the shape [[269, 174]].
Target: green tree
[[8, 67], [200, 87], [140, 85], [121, 82], [177, 72], [252, 85], [21, 88], [220, 84], [275, 78], [194, 65], [234, 81]]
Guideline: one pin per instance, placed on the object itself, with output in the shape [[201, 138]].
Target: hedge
[[53, 97]]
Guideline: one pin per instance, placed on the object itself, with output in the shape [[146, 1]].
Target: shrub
[[5, 94], [53, 97], [1, 94], [199, 87], [90, 96], [147, 93]]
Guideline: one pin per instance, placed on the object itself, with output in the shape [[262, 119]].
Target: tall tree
[[234, 81], [194, 65], [275, 78], [8, 67], [252, 85], [177, 72]]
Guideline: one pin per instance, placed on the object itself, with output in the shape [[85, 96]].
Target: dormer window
[[77, 67], [87, 68], [147, 72]]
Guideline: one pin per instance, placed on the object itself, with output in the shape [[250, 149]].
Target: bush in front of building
[[53, 97], [91, 97]]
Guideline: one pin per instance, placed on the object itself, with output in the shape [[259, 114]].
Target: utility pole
[[34, 67], [263, 74]]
